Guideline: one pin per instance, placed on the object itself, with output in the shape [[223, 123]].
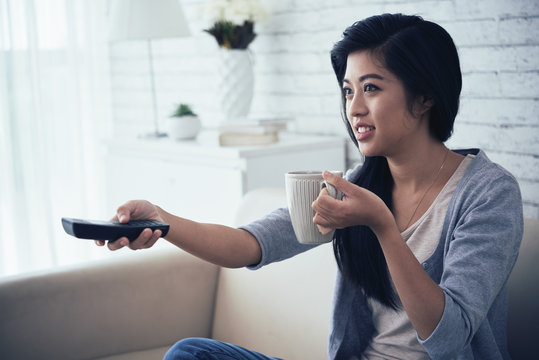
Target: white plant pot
[[183, 128]]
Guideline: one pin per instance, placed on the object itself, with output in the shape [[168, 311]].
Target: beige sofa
[[136, 305]]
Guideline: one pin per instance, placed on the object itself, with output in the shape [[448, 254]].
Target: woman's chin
[[366, 150]]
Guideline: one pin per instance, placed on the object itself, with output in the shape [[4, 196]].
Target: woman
[[426, 238]]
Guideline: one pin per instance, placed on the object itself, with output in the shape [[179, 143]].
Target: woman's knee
[[209, 349]]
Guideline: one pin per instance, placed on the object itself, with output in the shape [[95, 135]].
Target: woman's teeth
[[364, 129]]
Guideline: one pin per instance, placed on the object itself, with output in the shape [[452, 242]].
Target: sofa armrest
[[523, 314], [123, 304]]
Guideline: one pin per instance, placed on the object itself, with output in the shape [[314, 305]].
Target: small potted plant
[[184, 124]]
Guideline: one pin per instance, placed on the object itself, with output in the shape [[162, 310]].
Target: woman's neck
[[416, 168]]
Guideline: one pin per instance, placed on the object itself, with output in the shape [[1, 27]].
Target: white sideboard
[[203, 181]]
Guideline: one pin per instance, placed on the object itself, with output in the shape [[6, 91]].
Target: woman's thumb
[[336, 180]]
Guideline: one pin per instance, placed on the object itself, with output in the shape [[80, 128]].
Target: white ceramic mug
[[302, 188]]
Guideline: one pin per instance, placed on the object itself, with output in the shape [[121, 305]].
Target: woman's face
[[376, 108]]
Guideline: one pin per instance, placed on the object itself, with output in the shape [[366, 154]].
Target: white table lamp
[[147, 20]]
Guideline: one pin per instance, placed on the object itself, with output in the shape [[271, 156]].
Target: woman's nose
[[357, 107]]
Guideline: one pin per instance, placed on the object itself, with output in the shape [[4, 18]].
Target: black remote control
[[110, 230]]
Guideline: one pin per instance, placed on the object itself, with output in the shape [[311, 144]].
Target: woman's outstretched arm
[[218, 244]]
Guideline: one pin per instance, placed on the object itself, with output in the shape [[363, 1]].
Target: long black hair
[[423, 56]]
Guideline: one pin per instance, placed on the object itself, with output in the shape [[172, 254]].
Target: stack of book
[[251, 132]]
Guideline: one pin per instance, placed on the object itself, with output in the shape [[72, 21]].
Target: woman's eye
[[347, 92], [369, 88]]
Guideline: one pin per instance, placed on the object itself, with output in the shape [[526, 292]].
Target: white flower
[[214, 9], [232, 21], [235, 11]]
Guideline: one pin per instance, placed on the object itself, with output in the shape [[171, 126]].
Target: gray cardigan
[[477, 250]]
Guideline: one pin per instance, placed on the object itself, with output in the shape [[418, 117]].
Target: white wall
[[498, 42]]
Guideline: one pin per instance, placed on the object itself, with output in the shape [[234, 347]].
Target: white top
[[395, 335]]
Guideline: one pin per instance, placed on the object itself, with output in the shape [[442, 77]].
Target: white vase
[[184, 127], [236, 83]]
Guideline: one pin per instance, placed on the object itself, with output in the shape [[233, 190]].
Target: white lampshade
[[147, 19]]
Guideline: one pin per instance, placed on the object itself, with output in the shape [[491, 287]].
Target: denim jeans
[[209, 349]]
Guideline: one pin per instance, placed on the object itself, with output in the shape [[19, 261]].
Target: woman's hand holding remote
[[135, 210]]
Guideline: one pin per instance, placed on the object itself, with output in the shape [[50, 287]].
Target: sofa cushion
[[124, 304], [150, 354], [282, 309]]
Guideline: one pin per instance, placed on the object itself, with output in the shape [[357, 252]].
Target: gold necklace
[[426, 191]]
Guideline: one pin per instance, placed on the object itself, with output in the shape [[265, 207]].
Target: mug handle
[[332, 190]]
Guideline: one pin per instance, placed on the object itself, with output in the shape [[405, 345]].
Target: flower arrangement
[[233, 21]]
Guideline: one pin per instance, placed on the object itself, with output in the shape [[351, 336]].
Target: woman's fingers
[[118, 243], [145, 240], [324, 230]]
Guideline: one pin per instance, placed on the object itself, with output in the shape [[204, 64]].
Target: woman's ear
[[423, 104]]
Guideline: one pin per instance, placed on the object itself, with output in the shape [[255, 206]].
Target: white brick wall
[[498, 41]]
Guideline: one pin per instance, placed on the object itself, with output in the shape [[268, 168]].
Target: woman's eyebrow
[[368, 76], [365, 77]]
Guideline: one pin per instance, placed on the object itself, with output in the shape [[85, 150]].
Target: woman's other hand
[[357, 207]]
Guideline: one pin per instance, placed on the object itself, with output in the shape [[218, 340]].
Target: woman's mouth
[[363, 132]]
